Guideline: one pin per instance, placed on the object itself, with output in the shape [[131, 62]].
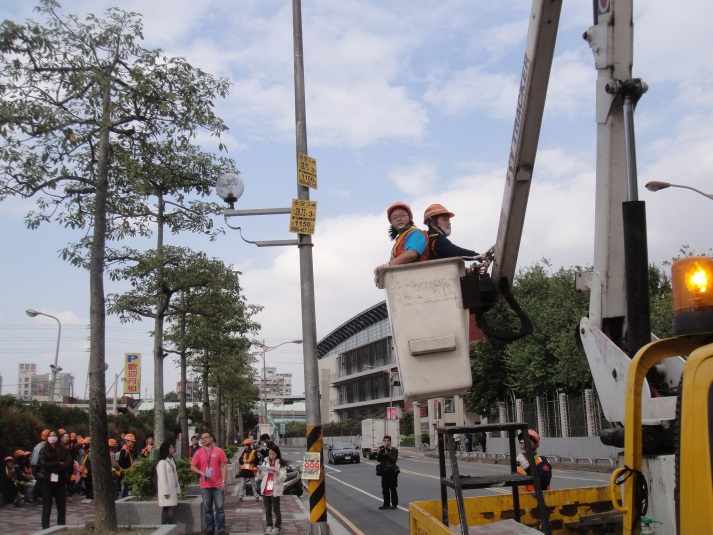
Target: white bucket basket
[[429, 327]]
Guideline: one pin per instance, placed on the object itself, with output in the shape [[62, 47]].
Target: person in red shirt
[[211, 464]]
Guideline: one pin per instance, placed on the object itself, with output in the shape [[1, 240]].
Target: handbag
[[379, 470]]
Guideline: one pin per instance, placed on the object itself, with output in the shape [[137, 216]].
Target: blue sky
[[406, 100]]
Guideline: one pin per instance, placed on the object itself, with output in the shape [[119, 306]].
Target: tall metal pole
[[317, 489], [32, 313]]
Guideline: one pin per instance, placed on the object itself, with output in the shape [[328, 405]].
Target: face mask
[[52, 440]]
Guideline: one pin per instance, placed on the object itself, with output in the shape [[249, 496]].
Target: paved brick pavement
[[245, 517]]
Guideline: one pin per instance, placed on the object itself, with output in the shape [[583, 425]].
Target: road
[[354, 491]]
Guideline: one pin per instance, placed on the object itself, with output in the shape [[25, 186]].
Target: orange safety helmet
[[533, 435], [45, 434], [435, 210], [112, 443], [61, 432], [247, 442], [396, 205], [130, 436]]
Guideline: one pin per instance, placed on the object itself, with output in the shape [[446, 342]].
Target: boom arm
[[539, 51]]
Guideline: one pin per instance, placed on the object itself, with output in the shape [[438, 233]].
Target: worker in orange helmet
[[410, 243], [126, 461], [543, 466], [438, 220]]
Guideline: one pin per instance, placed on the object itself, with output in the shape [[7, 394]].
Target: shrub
[[185, 476], [230, 451], [141, 479]]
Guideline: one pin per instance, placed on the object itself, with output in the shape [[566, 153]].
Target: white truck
[[373, 432]]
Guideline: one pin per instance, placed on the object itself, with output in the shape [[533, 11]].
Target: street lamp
[[266, 349], [655, 185], [54, 367]]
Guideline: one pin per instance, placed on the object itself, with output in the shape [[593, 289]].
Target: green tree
[[166, 174], [548, 360], [171, 397], [76, 95], [209, 325]]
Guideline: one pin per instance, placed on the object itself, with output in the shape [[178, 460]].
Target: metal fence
[[555, 416]]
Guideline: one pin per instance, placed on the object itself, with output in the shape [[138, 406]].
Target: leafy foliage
[[547, 361], [142, 478]]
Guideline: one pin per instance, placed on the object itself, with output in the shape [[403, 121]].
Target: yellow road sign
[[303, 216], [306, 171]]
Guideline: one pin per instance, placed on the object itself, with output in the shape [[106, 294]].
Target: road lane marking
[[332, 468], [345, 520], [377, 498]]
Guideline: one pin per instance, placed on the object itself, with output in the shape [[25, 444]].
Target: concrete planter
[[192, 490], [188, 515], [231, 474], [168, 529]]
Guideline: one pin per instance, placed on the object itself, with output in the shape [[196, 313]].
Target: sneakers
[[269, 530], [223, 532]]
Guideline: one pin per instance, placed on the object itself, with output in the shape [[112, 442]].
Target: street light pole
[[656, 185], [55, 369]]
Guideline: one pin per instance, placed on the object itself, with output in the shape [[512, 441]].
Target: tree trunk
[[230, 428], [219, 427], [241, 431], [206, 398], [161, 304], [104, 510], [183, 410]]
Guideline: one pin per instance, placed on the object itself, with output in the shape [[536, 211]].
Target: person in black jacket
[[387, 458], [54, 466], [438, 219]]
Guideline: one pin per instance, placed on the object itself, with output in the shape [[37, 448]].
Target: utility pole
[[317, 488]]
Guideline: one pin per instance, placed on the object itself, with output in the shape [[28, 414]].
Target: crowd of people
[[59, 467]]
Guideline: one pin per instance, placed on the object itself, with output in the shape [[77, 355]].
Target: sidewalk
[[244, 518]]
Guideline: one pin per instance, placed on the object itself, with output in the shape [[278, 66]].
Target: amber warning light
[[692, 280]]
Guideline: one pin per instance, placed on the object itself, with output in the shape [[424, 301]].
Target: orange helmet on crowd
[[130, 436], [61, 432], [435, 210], [22, 453], [112, 443], [45, 434], [533, 436], [247, 442], [401, 205]]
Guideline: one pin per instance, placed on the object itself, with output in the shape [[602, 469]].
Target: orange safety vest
[[247, 464], [531, 488], [400, 243]]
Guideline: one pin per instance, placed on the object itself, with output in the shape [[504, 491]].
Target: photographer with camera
[[387, 458]]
